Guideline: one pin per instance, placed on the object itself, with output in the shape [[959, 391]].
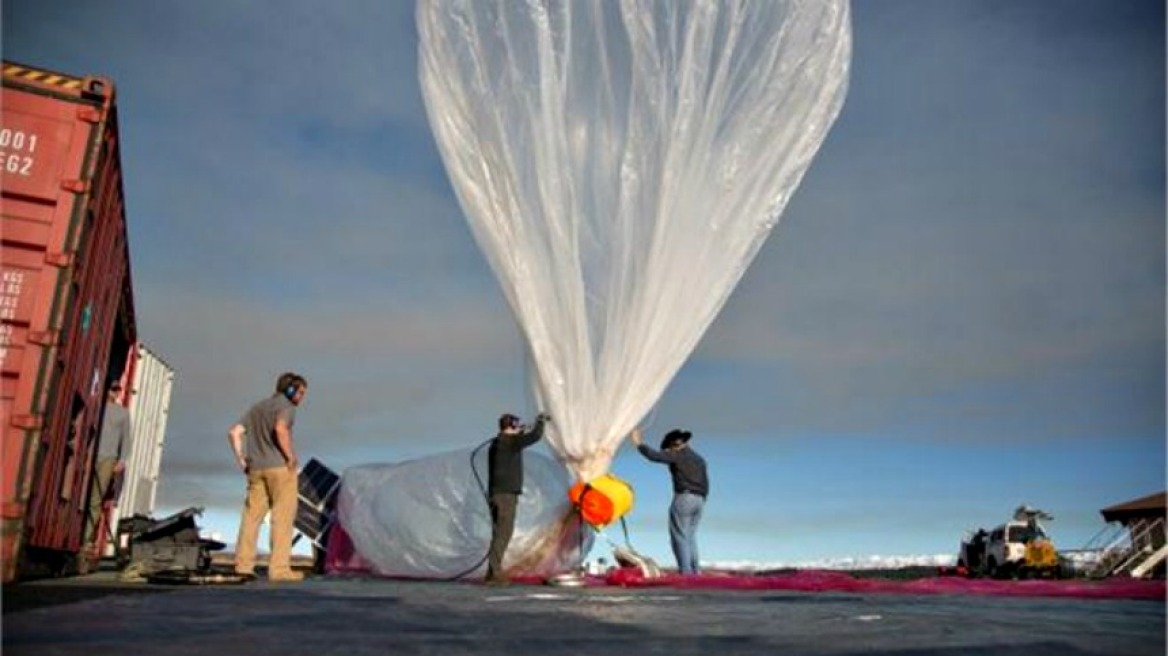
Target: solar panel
[[318, 487]]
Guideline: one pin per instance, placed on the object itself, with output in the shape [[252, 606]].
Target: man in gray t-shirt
[[113, 450], [259, 422], [262, 443]]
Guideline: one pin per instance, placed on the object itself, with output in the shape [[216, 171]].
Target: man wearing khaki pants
[[262, 443]]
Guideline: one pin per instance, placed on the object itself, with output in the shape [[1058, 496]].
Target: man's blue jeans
[[684, 514]]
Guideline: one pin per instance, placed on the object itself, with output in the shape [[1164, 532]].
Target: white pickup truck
[[1019, 548]]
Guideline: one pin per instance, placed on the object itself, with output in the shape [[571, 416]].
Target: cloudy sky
[[962, 309]]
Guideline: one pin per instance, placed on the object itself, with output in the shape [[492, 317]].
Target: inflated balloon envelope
[[620, 164]]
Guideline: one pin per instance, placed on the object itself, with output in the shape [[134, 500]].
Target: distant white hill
[[1077, 558], [843, 563]]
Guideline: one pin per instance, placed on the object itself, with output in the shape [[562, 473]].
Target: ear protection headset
[[294, 384]]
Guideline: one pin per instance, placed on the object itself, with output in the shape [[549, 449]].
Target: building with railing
[[1135, 543]]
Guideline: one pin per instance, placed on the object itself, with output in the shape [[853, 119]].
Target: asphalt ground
[[97, 614]]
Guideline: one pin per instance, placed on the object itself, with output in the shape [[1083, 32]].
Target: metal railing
[[1130, 549]]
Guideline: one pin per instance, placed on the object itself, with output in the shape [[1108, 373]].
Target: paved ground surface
[[98, 615]]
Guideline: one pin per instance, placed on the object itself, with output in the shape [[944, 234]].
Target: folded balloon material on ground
[[429, 519]]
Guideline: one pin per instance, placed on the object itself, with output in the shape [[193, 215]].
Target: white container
[[150, 390]]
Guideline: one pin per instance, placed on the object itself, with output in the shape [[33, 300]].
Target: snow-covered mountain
[[841, 563]]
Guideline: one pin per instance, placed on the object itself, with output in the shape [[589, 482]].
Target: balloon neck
[[590, 467]]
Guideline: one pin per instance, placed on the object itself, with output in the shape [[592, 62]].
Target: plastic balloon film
[[620, 163], [429, 518]]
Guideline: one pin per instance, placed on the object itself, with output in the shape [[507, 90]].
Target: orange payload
[[602, 500]]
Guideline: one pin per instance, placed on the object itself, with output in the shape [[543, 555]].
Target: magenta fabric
[[342, 559], [835, 581]]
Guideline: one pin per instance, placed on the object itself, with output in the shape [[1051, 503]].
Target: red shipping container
[[66, 307]]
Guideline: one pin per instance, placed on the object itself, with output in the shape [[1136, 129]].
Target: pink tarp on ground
[[831, 581], [342, 559]]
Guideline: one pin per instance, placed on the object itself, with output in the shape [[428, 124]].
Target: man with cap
[[505, 484], [690, 488]]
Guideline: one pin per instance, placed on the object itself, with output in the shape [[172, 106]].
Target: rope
[[614, 545], [525, 357], [625, 528], [652, 418]]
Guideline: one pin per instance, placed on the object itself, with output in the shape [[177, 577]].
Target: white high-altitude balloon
[[620, 163]]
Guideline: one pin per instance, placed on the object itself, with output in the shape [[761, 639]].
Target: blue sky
[[962, 309]]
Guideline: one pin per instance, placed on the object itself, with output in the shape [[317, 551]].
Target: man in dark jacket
[[505, 485], [690, 488]]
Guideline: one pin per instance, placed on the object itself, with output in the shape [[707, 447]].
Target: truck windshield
[[1025, 533]]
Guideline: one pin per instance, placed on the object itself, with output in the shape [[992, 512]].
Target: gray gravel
[[352, 617]]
